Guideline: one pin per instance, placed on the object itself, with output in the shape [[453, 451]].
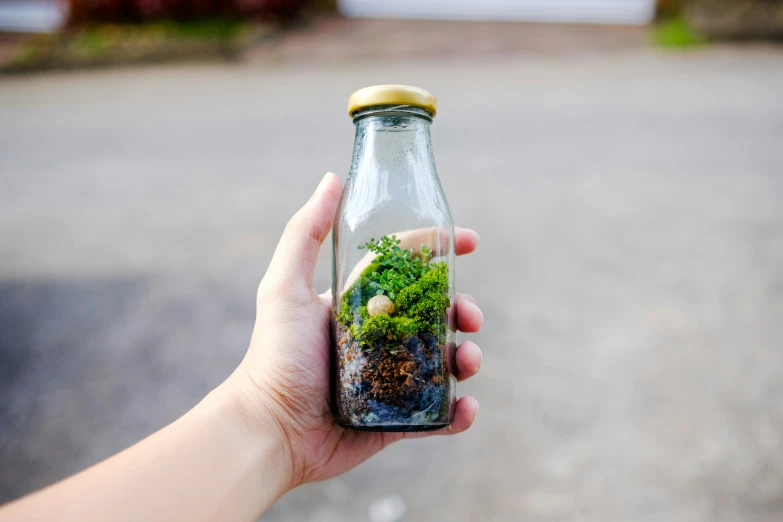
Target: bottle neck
[[393, 168], [393, 142]]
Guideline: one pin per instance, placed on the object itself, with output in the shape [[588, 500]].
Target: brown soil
[[402, 384]]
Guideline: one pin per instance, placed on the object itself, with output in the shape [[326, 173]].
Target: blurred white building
[[568, 11], [32, 16]]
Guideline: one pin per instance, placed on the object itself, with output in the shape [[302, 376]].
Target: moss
[[426, 300], [420, 305], [384, 329], [355, 299]]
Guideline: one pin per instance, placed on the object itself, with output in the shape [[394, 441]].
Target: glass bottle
[[393, 324]]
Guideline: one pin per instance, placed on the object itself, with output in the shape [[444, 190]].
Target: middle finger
[[469, 316]]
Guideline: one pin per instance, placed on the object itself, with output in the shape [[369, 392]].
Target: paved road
[[631, 272]]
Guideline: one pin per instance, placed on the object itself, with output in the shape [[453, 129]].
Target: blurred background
[[622, 160]]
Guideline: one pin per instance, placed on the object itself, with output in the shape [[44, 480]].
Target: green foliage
[[384, 329], [107, 44], [677, 33], [209, 29], [396, 268], [354, 302], [426, 300], [418, 288]]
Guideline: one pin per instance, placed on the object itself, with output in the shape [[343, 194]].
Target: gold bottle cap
[[392, 95]]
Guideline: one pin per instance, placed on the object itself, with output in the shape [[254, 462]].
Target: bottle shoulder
[[379, 197]]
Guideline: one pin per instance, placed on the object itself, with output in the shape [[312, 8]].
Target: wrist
[[256, 441], [255, 412]]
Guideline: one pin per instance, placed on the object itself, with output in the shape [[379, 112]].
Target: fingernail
[[472, 299], [478, 309]]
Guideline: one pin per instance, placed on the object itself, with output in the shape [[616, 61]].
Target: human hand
[[283, 381]]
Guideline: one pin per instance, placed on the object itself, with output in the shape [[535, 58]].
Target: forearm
[[208, 465]]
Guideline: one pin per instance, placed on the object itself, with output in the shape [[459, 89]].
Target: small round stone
[[380, 304]]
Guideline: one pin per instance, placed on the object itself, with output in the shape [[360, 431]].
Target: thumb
[[297, 252]]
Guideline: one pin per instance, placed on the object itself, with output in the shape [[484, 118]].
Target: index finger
[[465, 241]]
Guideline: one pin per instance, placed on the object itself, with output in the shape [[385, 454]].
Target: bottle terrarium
[[393, 279]]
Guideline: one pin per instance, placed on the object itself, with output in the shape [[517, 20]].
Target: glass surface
[[393, 281]]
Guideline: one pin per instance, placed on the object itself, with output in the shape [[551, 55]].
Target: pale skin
[[268, 428]]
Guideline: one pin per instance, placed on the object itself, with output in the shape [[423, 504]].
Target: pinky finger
[[464, 415]]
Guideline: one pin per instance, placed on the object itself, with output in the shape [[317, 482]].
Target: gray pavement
[[631, 272]]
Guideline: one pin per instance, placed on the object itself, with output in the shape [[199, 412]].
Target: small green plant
[[418, 288], [396, 268]]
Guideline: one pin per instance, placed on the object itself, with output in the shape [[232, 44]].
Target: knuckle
[[295, 223]]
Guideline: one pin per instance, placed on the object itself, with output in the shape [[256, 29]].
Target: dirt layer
[[405, 387]]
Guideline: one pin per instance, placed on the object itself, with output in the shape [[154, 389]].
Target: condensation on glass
[[393, 324]]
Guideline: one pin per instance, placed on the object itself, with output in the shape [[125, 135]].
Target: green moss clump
[[353, 305], [418, 288], [384, 329], [426, 300]]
